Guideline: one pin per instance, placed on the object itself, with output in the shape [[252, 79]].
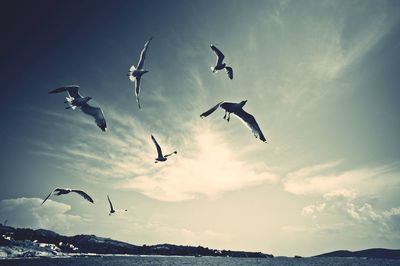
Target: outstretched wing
[[72, 90], [143, 54], [159, 152], [83, 194], [109, 201], [137, 90], [169, 154], [251, 123], [229, 71], [207, 113], [97, 114], [48, 196], [219, 54]]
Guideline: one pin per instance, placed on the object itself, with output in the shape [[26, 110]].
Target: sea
[[207, 261]]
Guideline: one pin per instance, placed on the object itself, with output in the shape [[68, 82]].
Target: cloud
[[210, 169], [311, 210], [95, 156], [329, 177], [337, 201], [320, 43], [346, 208], [27, 212], [342, 193], [205, 164], [349, 200]]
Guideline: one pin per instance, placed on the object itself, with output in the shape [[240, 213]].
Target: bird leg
[[224, 115], [229, 117]]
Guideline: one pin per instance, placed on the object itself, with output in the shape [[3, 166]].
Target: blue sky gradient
[[321, 78]]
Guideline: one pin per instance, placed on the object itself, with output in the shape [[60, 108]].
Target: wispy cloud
[[205, 164], [309, 53], [329, 177], [94, 155], [210, 169]]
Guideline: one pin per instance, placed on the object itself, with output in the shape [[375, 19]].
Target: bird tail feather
[[133, 68]]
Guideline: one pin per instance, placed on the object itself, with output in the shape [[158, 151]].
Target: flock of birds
[[76, 100]]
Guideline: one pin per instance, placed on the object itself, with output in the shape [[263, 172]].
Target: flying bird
[[160, 156], [111, 207], [63, 191], [75, 100], [135, 73], [237, 109], [219, 64]]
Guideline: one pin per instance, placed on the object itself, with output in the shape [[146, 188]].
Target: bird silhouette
[[237, 109], [219, 65], [75, 100]]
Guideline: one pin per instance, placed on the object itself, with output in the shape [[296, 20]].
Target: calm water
[[114, 261]]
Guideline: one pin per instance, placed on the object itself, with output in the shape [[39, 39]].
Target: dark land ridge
[[10, 236], [382, 253], [83, 244]]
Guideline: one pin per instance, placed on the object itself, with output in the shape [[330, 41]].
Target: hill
[[47, 243], [367, 253]]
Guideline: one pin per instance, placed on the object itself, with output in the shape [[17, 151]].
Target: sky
[[321, 78]]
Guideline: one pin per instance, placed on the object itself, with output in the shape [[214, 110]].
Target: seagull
[[111, 207], [219, 64], [75, 100], [160, 156], [62, 191], [237, 109], [135, 73]]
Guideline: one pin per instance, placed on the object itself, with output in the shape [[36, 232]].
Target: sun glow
[[202, 172]]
